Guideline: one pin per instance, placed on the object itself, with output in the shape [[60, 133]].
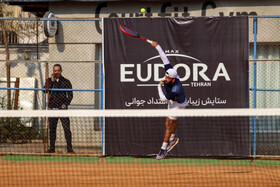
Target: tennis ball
[[143, 10]]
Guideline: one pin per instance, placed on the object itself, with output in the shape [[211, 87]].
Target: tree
[[8, 63], [16, 32]]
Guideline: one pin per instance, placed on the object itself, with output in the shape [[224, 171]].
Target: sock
[[171, 137], [164, 145]]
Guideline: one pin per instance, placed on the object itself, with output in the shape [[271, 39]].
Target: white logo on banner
[[198, 71]]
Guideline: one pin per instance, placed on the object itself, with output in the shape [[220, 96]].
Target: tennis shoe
[[172, 144], [161, 155]]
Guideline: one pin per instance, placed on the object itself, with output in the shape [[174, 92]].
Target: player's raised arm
[[161, 53]]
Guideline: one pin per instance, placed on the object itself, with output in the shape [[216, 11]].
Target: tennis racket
[[130, 32]]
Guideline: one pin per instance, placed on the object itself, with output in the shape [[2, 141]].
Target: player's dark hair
[[58, 66]]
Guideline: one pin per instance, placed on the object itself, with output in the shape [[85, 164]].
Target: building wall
[[165, 9]]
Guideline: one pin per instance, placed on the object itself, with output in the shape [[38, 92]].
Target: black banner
[[211, 57]]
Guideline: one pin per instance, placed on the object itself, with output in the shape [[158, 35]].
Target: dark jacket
[[59, 98]]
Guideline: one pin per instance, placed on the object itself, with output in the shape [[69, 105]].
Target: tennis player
[[176, 97]]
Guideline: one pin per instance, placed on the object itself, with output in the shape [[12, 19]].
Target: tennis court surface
[[128, 171]]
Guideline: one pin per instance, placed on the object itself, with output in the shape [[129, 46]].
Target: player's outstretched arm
[[161, 53]]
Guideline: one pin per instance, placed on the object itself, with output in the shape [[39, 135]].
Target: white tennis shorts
[[173, 105]]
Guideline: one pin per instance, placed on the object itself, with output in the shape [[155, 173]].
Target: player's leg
[[168, 130], [52, 133], [67, 133], [173, 124], [173, 140]]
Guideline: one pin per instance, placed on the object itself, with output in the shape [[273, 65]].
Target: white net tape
[[141, 113]]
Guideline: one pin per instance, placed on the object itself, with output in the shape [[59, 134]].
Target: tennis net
[[217, 147]]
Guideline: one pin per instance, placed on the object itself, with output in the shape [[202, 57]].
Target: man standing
[[59, 100], [176, 97]]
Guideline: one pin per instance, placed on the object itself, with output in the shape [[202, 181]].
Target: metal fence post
[[255, 84]]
